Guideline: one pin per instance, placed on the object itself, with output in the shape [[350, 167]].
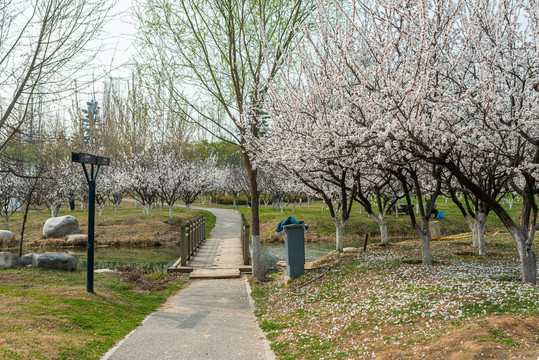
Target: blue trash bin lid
[[289, 221]]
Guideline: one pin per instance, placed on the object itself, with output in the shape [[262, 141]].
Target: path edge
[[112, 350], [270, 355]]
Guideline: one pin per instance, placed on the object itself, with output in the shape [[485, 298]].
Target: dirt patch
[[496, 337], [145, 281]]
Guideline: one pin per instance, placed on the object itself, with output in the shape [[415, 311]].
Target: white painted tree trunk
[[116, 207], [382, 224], [255, 254], [339, 234], [170, 211], [528, 259], [136, 201], [479, 232], [188, 208], [300, 202], [234, 204], [101, 208], [424, 234], [54, 210], [148, 208]]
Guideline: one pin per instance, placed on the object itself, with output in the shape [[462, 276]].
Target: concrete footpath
[[209, 319]]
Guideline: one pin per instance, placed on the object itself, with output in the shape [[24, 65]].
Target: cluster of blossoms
[[439, 96]]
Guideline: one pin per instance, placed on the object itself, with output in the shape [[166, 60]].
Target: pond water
[[160, 258], [154, 258]]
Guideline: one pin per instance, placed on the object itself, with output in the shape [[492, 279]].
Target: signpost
[[96, 161]]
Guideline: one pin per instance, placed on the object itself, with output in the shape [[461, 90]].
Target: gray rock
[[103, 271], [9, 260], [78, 239], [61, 226], [58, 261], [6, 235], [28, 259]]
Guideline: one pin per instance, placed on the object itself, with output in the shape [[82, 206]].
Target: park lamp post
[[97, 161]]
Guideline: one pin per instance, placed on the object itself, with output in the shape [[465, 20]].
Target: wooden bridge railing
[[193, 234], [245, 240]]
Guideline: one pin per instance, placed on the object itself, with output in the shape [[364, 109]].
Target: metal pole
[[91, 222]]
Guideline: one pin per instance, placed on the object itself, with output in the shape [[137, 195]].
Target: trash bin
[[294, 249]]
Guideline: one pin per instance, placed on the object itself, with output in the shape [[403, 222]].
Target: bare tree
[[41, 45]]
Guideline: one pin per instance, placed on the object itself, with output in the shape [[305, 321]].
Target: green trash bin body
[[294, 249]]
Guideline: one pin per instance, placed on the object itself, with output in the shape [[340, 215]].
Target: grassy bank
[[359, 224], [128, 227], [49, 314], [383, 304]]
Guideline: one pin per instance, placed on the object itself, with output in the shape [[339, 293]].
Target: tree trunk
[[479, 232], [170, 211], [188, 208], [54, 210], [339, 234], [116, 207], [148, 209], [424, 234], [529, 266], [101, 208], [383, 230], [528, 260], [470, 222], [258, 270], [234, 204]]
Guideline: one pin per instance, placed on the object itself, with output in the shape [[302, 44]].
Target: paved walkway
[[210, 319], [220, 256]]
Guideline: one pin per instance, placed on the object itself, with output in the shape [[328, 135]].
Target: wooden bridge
[[224, 255]]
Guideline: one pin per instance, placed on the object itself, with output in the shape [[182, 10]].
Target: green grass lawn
[[360, 224], [48, 314]]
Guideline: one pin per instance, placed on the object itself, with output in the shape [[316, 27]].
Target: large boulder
[[61, 226], [58, 261], [28, 259], [9, 260], [6, 236]]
